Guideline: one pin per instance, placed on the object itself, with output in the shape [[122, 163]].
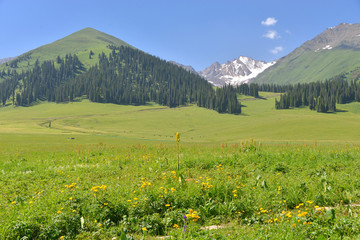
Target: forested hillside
[[125, 76]]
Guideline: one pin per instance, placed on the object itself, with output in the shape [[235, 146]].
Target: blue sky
[[191, 32]]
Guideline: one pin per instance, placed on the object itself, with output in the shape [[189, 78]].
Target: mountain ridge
[[334, 51]]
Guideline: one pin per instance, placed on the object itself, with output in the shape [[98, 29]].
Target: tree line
[[320, 96]]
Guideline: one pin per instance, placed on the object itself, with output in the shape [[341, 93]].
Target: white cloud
[[276, 50], [270, 21], [272, 34]]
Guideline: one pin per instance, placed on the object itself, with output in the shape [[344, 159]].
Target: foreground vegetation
[[251, 191], [99, 171]]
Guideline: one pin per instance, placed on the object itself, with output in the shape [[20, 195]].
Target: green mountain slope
[[116, 72], [79, 43], [335, 51]]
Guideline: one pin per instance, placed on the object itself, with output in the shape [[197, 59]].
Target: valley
[[100, 140]]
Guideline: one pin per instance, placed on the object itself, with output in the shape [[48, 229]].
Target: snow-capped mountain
[[235, 72]]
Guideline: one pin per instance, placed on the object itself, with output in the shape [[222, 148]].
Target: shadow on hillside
[[341, 110], [337, 111]]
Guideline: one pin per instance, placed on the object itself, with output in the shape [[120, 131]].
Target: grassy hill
[[79, 43], [88, 121], [333, 52]]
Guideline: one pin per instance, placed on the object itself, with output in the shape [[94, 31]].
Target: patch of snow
[[327, 47]]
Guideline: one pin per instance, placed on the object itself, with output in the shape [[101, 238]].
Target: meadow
[[259, 120], [102, 171]]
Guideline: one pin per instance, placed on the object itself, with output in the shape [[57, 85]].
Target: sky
[[191, 32]]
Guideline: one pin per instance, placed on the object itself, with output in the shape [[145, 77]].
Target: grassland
[[110, 122], [103, 171]]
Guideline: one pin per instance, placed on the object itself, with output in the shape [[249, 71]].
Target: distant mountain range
[[186, 67], [240, 70], [333, 52], [8, 59]]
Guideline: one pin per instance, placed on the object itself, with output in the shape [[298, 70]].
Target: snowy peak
[[235, 72]]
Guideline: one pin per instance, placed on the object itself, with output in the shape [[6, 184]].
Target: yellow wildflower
[[303, 214], [177, 137]]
